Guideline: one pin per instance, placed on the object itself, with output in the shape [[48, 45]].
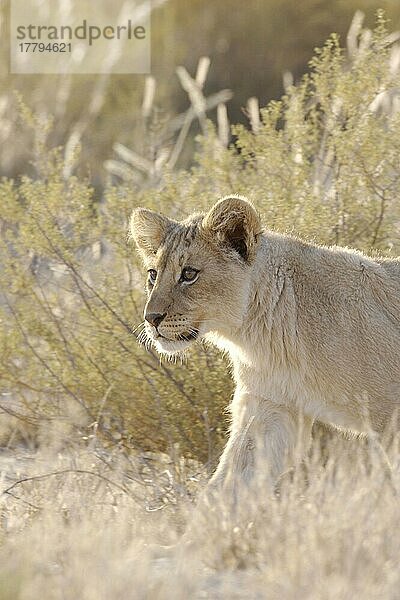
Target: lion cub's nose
[[154, 318]]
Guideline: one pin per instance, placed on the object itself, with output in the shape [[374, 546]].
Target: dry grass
[[90, 529]]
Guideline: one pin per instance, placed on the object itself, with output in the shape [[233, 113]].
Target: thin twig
[[63, 472]]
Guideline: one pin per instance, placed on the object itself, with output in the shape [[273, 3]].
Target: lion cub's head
[[198, 271]]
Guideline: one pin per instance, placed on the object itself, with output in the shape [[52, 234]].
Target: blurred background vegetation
[[250, 45], [77, 153]]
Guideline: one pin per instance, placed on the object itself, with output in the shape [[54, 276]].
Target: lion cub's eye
[[189, 275], [152, 275]]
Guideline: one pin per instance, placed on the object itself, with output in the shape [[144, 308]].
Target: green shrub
[[324, 162]]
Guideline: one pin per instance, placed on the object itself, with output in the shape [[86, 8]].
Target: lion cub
[[312, 332]]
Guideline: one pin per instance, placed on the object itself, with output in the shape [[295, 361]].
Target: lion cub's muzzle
[[171, 327]]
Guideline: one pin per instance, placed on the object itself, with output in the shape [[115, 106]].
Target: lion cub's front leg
[[265, 440]]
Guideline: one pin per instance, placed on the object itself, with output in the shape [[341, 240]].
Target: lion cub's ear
[[235, 222], [148, 229]]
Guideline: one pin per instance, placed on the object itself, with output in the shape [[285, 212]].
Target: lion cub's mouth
[[187, 336], [178, 343]]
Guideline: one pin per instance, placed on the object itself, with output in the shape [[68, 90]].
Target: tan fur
[[312, 332]]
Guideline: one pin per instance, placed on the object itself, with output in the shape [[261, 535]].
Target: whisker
[[142, 324], [144, 339]]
